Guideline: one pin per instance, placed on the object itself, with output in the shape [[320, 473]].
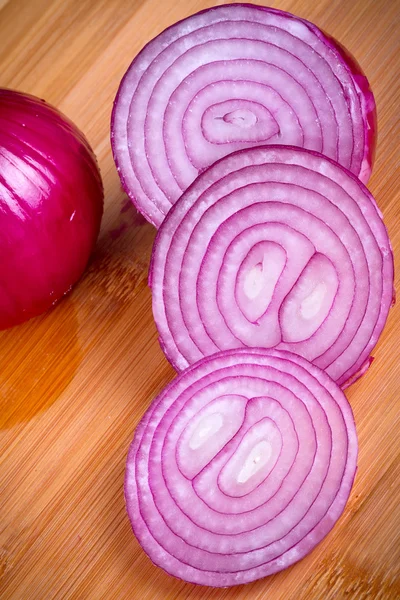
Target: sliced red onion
[[274, 247], [240, 467], [232, 77]]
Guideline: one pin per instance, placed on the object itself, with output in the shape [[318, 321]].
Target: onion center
[[206, 429], [311, 305], [258, 276], [256, 460], [241, 118]]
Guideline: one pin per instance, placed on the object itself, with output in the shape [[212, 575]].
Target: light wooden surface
[[75, 382]]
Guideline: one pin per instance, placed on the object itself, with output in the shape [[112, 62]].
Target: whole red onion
[[51, 204]]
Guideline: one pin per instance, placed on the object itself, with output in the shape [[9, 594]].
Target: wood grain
[[75, 382]]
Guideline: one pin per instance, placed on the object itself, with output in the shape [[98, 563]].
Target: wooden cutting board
[[75, 382]]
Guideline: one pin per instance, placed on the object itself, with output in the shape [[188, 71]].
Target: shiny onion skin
[[51, 204], [232, 77], [240, 467], [274, 247]]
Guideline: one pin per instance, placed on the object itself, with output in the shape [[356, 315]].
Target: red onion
[[232, 77], [274, 247], [51, 204], [240, 467]]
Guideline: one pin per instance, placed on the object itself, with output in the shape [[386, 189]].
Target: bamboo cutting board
[[75, 382]]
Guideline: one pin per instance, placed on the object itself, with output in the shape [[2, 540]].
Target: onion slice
[[233, 77], [240, 467], [274, 247]]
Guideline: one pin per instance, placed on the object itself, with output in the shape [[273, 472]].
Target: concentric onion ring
[[240, 467], [233, 77], [274, 247]]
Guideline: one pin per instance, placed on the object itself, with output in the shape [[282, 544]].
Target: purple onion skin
[[51, 205]]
